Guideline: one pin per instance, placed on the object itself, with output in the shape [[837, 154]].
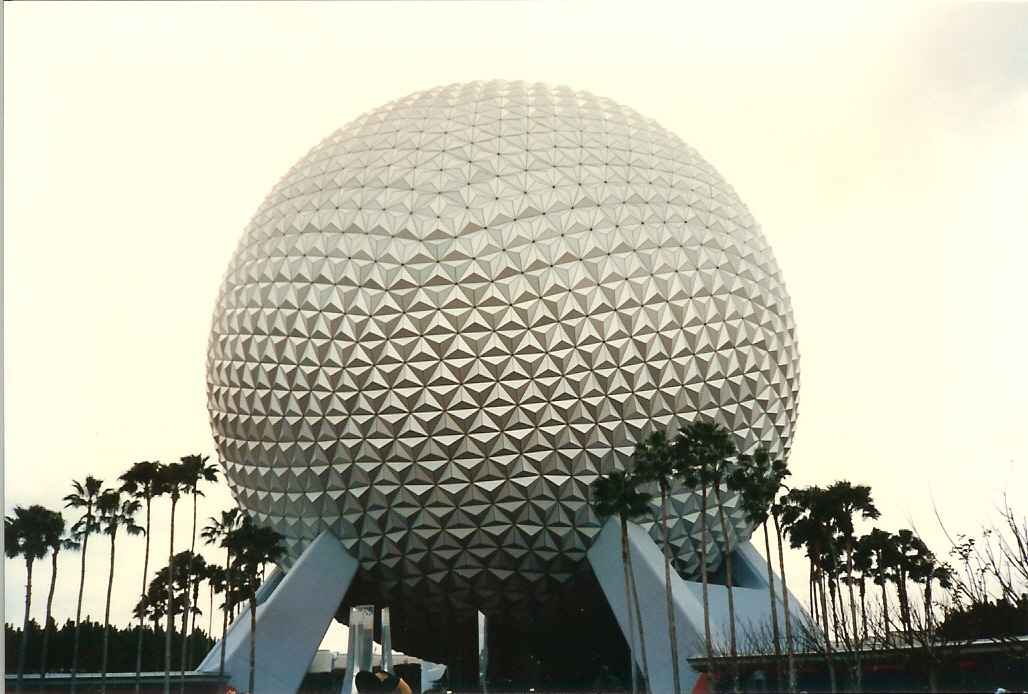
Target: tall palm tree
[[215, 584], [805, 518], [195, 470], [881, 548], [253, 547], [654, 461], [930, 571], [143, 482], [56, 540], [715, 448], [847, 501], [172, 480], [25, 535], [910, 553], [689, 466], [863, 563], [115, 514], [193, 570], [216, 532], [758, 479], [83, 496], [779, 472], [618, 494]]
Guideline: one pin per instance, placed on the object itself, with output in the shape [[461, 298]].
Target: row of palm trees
[[821, 521], [33, 532]]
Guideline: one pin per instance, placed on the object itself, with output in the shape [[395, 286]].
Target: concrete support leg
[[292, 618], [751, 601]]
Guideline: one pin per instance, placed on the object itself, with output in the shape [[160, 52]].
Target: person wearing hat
[[380, 682]]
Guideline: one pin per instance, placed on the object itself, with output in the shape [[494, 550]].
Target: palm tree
[[654, 462], [195, 470], [776, 482], [25, 535], [194, 570], [714, 446], [115, 513], [863, 563], [845, 501], [757, 480], [84, 496], [143, 482], [880, 546], [215, 584], [910, 553], [618, 494], [253, 547], [56, 540], [689, 467], [172, 480], [216, 532], [929, 570], [805, 518]]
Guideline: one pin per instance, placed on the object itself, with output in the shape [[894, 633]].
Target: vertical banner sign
[[366, 618], [358, 648], [483, 652], [351, 654], [387, 642]]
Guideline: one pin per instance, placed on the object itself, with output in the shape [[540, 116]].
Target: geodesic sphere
[[456, 311]]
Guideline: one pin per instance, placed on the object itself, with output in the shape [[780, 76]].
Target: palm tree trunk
[[858, 644], [49, 607], [107, 620], [632, 617], [706, 590], [78, 608], [774, 608], [929, 640], [186, 635], [811, 597], [929, 626], [828, 643], [904, 607], [728, 584], [182, 649], [192, 623], [24, 646], [642, 634], [225, 609], [171, 593], [210, 610], [838, 624], [142, 595], [863, 610], [885, 611], [253, 637], [789, 649], [672, 630]]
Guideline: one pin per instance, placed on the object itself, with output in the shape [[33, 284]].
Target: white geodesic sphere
[[455, 312]]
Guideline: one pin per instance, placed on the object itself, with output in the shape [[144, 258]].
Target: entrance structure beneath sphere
[[296, 607]]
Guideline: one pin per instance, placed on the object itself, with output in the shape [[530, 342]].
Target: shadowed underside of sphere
[[455, 312]]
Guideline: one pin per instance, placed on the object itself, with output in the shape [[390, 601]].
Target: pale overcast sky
[[884, 152]]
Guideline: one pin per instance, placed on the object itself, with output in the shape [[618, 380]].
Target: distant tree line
[[121, 645]]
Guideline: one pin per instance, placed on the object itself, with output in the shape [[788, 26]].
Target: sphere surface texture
[[458, 310]]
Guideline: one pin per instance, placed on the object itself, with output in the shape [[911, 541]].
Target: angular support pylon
[[294, 611], [752, 601]]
